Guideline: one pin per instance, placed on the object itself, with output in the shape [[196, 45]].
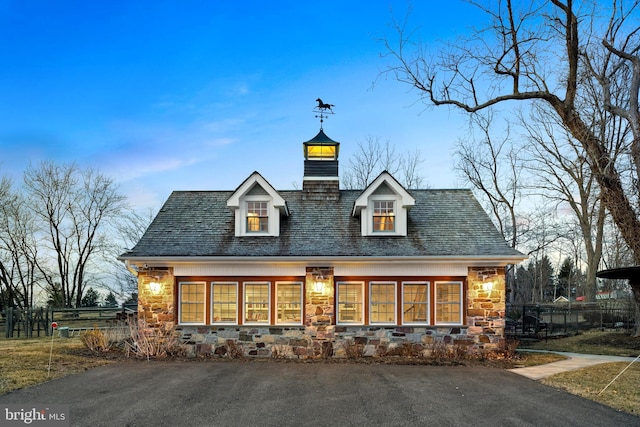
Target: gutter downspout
[[131, 268]]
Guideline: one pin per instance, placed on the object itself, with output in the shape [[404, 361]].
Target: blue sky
[[169, 95]]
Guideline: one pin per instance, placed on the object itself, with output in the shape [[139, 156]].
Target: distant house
[[613, 294], [314, 271]]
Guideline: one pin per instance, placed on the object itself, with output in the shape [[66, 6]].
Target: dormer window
[[257, 208], [383, 207], [257, 217], [383, 215]]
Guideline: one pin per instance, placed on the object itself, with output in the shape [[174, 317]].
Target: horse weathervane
[[323, 109]]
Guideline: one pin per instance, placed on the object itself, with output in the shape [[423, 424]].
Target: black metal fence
[[543, 320], [29, 323]]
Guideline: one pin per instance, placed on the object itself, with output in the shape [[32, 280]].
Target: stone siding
[[156, 308], [483, 330], [336, 341]]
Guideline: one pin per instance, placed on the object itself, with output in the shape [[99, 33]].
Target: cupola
[[321, 180]]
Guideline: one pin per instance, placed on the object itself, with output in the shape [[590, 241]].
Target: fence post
[[8, 331]]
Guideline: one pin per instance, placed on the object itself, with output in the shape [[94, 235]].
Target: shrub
[[406, 349], [234, 350], [353, 349], [95, 340], [104, 340], [147, 342]]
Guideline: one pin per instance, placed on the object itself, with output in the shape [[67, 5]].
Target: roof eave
[[471, 260]]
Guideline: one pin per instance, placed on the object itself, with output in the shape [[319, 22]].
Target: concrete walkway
[[574, 361]]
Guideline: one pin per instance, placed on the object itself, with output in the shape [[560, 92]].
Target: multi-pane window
[[192, 302], [224, 302], [382, 302], [415, 302], [256, 302], [350, 302], [448, 302], [289, 303], [257, 217], [383, 215]]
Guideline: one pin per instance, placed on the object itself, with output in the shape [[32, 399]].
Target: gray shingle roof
[[442, 223]]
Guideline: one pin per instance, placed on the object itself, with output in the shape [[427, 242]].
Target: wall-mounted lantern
[[487, 286], [318, 281], [155, 286]]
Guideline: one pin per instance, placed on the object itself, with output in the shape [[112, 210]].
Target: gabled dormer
[[258, 207], [382, 207]]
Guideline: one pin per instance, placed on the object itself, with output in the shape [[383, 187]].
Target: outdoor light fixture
[[155, 287], [318, 281], [487, 286]]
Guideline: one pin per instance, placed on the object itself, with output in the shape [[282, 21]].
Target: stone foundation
[[336, 341]]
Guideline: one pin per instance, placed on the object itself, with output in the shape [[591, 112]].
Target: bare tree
[[564, 177], [128, 231], [493, 168], [513, 67], [555, 53], [372, 157], [73, 208], [18, 249]]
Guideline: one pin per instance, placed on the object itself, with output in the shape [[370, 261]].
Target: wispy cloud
[[143, 149]]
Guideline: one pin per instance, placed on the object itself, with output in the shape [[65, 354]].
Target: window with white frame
[[192, 302], [224, 302], [448, 302], [350, 297], [256, 302], [415, 303], [257, 217], [383, 215], [289, 303], [382, 302]]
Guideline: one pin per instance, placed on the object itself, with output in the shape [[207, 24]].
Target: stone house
[[321, 271]]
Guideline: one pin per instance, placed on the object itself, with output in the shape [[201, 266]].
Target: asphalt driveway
[[311, 394]]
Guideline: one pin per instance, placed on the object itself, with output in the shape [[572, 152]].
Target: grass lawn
[[623, 393], [25, 362], [593, 342]]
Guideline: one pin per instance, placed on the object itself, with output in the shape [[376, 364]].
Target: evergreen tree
[[110, 300], [133, 299], [566, 279], [90, 298]]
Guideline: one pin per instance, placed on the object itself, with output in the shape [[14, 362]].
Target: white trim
[[402, 201], [276, 206], [245, 303], [234, 200], [394, 321], [204, 308], [362, 307], [406, 200], [468, 260], [259, 268], [435, 301], [212, 321], [321, 178], [427, 284], [301, 284]]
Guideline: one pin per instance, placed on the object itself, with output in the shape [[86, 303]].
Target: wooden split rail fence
[[29, 323]]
